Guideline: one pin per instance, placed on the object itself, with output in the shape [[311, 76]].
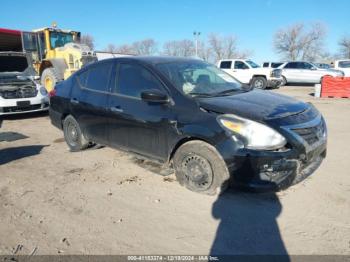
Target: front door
[[241, 72], [135, 124]]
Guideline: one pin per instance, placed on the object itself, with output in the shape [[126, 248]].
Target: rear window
[[226, 64], [266, 65], [13, 63], [97, 77]]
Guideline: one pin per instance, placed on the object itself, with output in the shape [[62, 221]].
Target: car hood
[[256, 105]]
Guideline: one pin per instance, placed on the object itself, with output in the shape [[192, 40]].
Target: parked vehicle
[[343, 65], [272, 64], [193, 116], [248, 72], [56, 53], [305, 72], [19, 93]]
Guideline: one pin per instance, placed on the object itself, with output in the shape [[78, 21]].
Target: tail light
[[52, 93]]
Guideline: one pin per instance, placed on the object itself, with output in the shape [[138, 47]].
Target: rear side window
[[98, 77], [266, 65], [226, 64], [82, 77], [133, 79]]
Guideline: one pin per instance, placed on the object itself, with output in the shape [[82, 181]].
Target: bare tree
[[88, 40], [145, 47], [344, 44], [225, 47], [204, 51], [179, 48], [125, 49], [296, 42], [111, 48]]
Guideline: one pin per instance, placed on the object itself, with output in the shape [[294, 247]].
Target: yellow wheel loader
[[56, 53]]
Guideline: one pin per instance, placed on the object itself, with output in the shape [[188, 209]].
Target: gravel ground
[[104, 201]]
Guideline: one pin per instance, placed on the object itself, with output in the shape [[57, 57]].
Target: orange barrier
[[335, 87]]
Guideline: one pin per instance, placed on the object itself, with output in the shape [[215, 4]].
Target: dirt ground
[[103, 201]]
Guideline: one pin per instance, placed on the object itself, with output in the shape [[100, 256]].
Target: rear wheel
[[73, 135], [49, 78], [259, 82], [200, 168]]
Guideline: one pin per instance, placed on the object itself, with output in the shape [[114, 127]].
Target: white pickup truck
[[248, 72], [343, 65]]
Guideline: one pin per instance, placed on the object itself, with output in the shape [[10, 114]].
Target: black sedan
[[194, 117]]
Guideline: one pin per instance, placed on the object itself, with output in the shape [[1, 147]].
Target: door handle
[[74, 101], [116, 109]]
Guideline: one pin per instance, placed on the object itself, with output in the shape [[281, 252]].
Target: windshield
[[59, 39], [344, 64], [252, 64], [199, 79]]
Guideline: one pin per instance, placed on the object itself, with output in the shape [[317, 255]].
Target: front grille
[[26, 92], [311, 134], [13, 109], [276, 73]]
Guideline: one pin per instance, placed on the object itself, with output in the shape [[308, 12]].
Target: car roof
[[154, 60]]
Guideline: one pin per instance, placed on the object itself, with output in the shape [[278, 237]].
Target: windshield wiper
[[225, 92], [200, 94]]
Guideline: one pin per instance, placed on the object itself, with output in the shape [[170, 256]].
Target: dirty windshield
[[59, 39], [199, 79]]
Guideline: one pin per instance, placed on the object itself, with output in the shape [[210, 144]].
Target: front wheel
[[73, 135], [284, 81], [259, 82], [200, 168]]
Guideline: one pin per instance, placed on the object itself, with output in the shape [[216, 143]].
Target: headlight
[[255, 135], [43, 91]]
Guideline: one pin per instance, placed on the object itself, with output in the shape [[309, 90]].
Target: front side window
[[266, 65], [252, 64], [97, 77], [275, 65], [133, 79], [305, 65], [59, 39], [198, 78], [240, 65]]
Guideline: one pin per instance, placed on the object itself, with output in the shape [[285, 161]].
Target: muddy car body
[[19, 93], [191, 115]]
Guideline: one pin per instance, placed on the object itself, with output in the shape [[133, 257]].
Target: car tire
[[259, 82], [284, 81], [73, 135], [49, 78], [200, 168]]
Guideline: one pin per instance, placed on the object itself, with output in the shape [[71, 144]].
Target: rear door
[[137, 125], [89, 101]]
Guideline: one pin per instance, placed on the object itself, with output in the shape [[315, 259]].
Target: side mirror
[[154, 96]]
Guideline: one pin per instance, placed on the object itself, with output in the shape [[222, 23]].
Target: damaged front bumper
[[276, 170]]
